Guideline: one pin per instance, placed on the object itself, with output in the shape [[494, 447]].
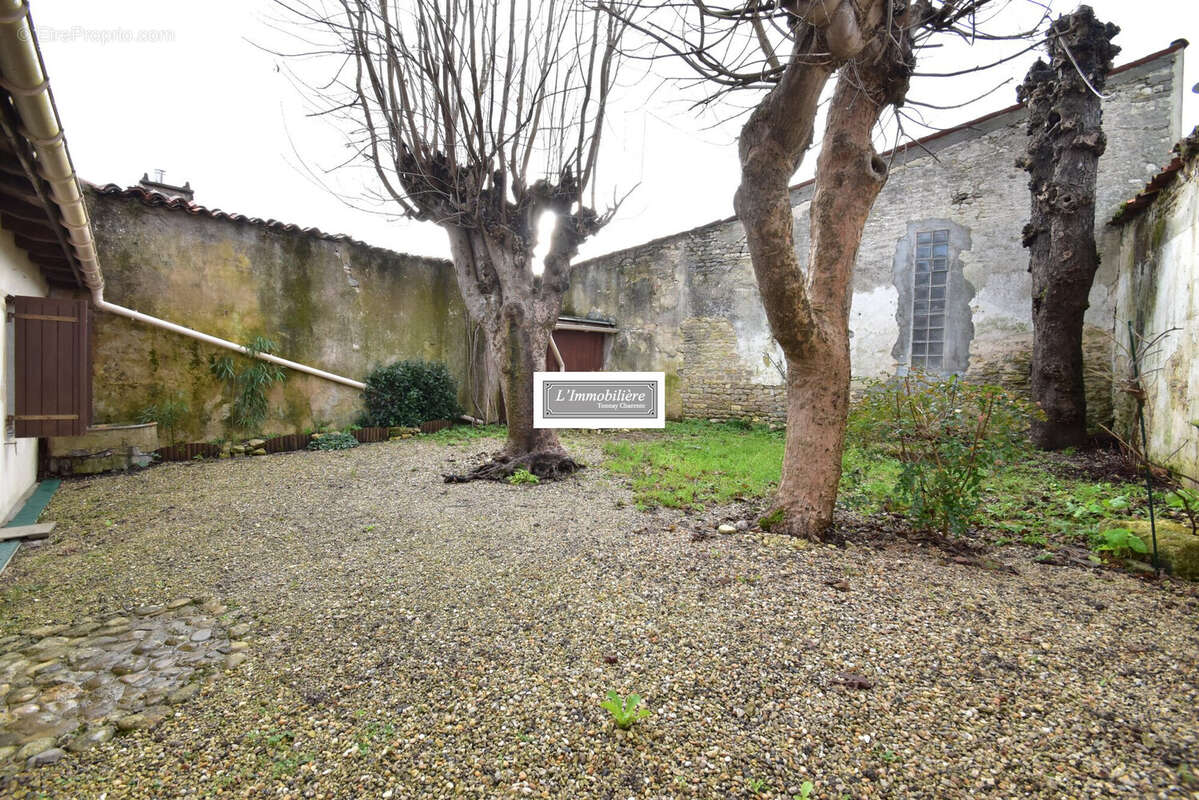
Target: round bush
[[409, 393]]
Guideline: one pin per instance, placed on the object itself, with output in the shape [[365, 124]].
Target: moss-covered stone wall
[[1157, 258], [336, 305]]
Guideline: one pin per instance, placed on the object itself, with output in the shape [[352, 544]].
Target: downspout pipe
[[99, 302], [24, 78]]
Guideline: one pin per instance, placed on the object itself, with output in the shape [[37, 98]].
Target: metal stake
[[1140, 395]]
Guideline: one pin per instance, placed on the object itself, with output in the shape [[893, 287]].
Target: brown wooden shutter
[[53, 375]]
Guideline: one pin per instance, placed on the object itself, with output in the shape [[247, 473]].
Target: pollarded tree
[[1065, 141], [480, 116], [792, 48]]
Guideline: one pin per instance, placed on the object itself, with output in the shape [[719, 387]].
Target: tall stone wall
[[711, 385], [654, 289], [341, 306], [1157, 290], [964, 181]]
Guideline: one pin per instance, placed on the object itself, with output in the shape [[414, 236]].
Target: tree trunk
[[772, 146], [521, 353], [849, 176], [809, 315], [518, 334], [1065, 126], [483, 378], [817, 404]]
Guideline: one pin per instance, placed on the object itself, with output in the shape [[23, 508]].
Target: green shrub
[[947, 435], [333, 441], [409, 393]]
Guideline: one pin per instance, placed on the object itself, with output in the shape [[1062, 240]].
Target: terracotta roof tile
[[158, 200], [1184, 151]]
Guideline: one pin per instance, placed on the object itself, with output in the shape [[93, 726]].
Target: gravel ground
[[414, 639]]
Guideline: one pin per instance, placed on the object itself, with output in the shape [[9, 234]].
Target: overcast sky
[[180, 86]]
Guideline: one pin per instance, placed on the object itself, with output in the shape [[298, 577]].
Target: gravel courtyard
[[417, 639]]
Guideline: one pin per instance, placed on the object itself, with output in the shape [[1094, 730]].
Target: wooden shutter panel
[[582, 351], [53, 375]]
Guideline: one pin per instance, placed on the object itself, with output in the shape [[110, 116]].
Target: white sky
[[177, 85]]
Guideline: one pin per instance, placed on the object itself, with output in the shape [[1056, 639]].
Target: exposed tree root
[[548, 465], [779, 521]]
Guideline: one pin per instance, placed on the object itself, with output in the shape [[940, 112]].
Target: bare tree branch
[[479, 116]]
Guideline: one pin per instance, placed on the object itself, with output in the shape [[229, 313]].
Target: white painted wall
[[18, 457], [1158, 289]]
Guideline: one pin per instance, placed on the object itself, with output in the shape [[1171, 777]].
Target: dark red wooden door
[[583, 351], [53, 375]]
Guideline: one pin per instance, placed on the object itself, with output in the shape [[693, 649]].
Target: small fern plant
[[625, 711]]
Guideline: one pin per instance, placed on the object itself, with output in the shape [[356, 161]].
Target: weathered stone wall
[[972, 186], [652, 290], [1157, 289], [337, 305], [711, 385]]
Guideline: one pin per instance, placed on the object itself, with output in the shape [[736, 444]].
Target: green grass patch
[[693, 464], [868, 479], [464, 434], [1025, 500]]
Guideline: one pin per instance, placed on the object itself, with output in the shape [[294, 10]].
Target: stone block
[[107, 437], [104, 448], [1177, 547]]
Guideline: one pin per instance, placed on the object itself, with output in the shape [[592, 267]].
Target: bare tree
[[793, 48], [481, 116], [1065, 141]]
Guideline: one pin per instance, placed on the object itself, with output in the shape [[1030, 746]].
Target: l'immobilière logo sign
[[599, 399]]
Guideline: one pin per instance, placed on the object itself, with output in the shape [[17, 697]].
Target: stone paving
[[70, 687]]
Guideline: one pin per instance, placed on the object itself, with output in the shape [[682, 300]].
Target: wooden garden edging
[[188, 451], [288, 442]]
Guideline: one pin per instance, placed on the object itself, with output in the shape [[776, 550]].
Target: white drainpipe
[[25, 79], [99, 302]]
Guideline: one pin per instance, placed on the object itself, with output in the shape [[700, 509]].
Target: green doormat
[[28, 515]]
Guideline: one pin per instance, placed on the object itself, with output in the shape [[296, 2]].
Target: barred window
[[931, 279]]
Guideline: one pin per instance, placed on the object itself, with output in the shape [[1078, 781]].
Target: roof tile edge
[[159, 200]]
